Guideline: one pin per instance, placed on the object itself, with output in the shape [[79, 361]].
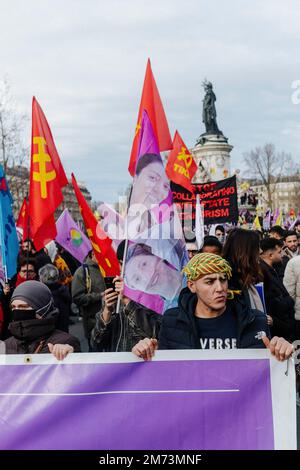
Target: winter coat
[[279, 304], [178, 328], [62, 301], [87, 287], [33, 336], [124, 330], [291, 281]]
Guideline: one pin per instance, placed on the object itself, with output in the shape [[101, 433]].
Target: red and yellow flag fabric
[[151, 102], [181, 166], [23, 220], [47, 178], [101, 243]]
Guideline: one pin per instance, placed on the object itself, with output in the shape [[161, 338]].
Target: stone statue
[[209, 113]]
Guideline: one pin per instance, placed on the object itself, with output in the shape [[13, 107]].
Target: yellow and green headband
[[206, 263]]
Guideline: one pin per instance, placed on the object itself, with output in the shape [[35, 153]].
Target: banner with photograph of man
[[156, 251]]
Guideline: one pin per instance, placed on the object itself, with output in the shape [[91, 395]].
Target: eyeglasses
[[27, 271]]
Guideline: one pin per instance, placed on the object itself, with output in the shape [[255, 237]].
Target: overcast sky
[[85, 63]]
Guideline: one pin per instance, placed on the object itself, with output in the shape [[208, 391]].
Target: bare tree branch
[[268, 166], [13, 152]]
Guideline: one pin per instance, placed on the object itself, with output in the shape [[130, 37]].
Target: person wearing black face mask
[[33, 326]]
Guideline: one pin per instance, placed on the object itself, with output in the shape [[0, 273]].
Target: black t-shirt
[[219, 332]]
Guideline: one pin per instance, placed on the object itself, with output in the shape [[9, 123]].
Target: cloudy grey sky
[[85, 62]]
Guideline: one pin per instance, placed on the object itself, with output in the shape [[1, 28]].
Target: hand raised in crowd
[[110, 299], [6, 289], [279, 347], [145, 348], [269, 320], [60, 351]]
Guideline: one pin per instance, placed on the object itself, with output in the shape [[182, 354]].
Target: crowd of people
[[220, 307]]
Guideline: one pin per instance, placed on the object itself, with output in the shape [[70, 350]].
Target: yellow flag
[[256, 223]]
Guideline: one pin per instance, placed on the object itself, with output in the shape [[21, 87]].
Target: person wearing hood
[[49, 275], [33, 323], [65, 276], [204, 319]]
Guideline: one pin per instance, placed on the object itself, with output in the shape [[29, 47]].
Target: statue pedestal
[[212, 155]]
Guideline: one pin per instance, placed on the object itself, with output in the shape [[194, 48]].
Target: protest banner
[[219, 199], [156, 242], [217, 399]]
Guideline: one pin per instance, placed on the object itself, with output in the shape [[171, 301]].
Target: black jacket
[[33, 336], [279, 304], [62, 301], [280, 267], [87, 288], [133, 323], [178, 329]]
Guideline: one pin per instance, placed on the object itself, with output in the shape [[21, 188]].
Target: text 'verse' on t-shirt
[[219, 332]]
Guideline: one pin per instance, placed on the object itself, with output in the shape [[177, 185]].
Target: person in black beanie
[[49, 275], [33, 327]]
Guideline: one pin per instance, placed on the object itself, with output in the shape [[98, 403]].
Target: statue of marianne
[[209, 113]]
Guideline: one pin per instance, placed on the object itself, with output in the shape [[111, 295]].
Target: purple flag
[[188, 400], [148, 142], [71, 237], [295, 221], [267, 220]]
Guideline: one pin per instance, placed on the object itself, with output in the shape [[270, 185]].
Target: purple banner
[[189, 404]]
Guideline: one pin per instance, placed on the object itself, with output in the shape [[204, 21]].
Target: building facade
[[18, 180], [285, 194]]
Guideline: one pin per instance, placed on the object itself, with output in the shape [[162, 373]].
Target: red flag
[[47, 178], [181, 166], [104, 253], [23, 220], [151, 102]]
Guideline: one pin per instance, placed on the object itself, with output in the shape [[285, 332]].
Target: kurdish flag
[[71, 237]]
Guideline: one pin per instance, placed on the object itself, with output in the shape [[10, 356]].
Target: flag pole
[[28, 234], [199, 223], [5, 274], [125, 249], [3, 254], [61, 215]]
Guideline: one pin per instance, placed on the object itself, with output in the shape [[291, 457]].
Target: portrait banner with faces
[[156, 250]]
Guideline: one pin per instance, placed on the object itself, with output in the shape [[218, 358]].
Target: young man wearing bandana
[[205, 319]]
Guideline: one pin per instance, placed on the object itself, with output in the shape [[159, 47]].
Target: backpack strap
[[87, 278]]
